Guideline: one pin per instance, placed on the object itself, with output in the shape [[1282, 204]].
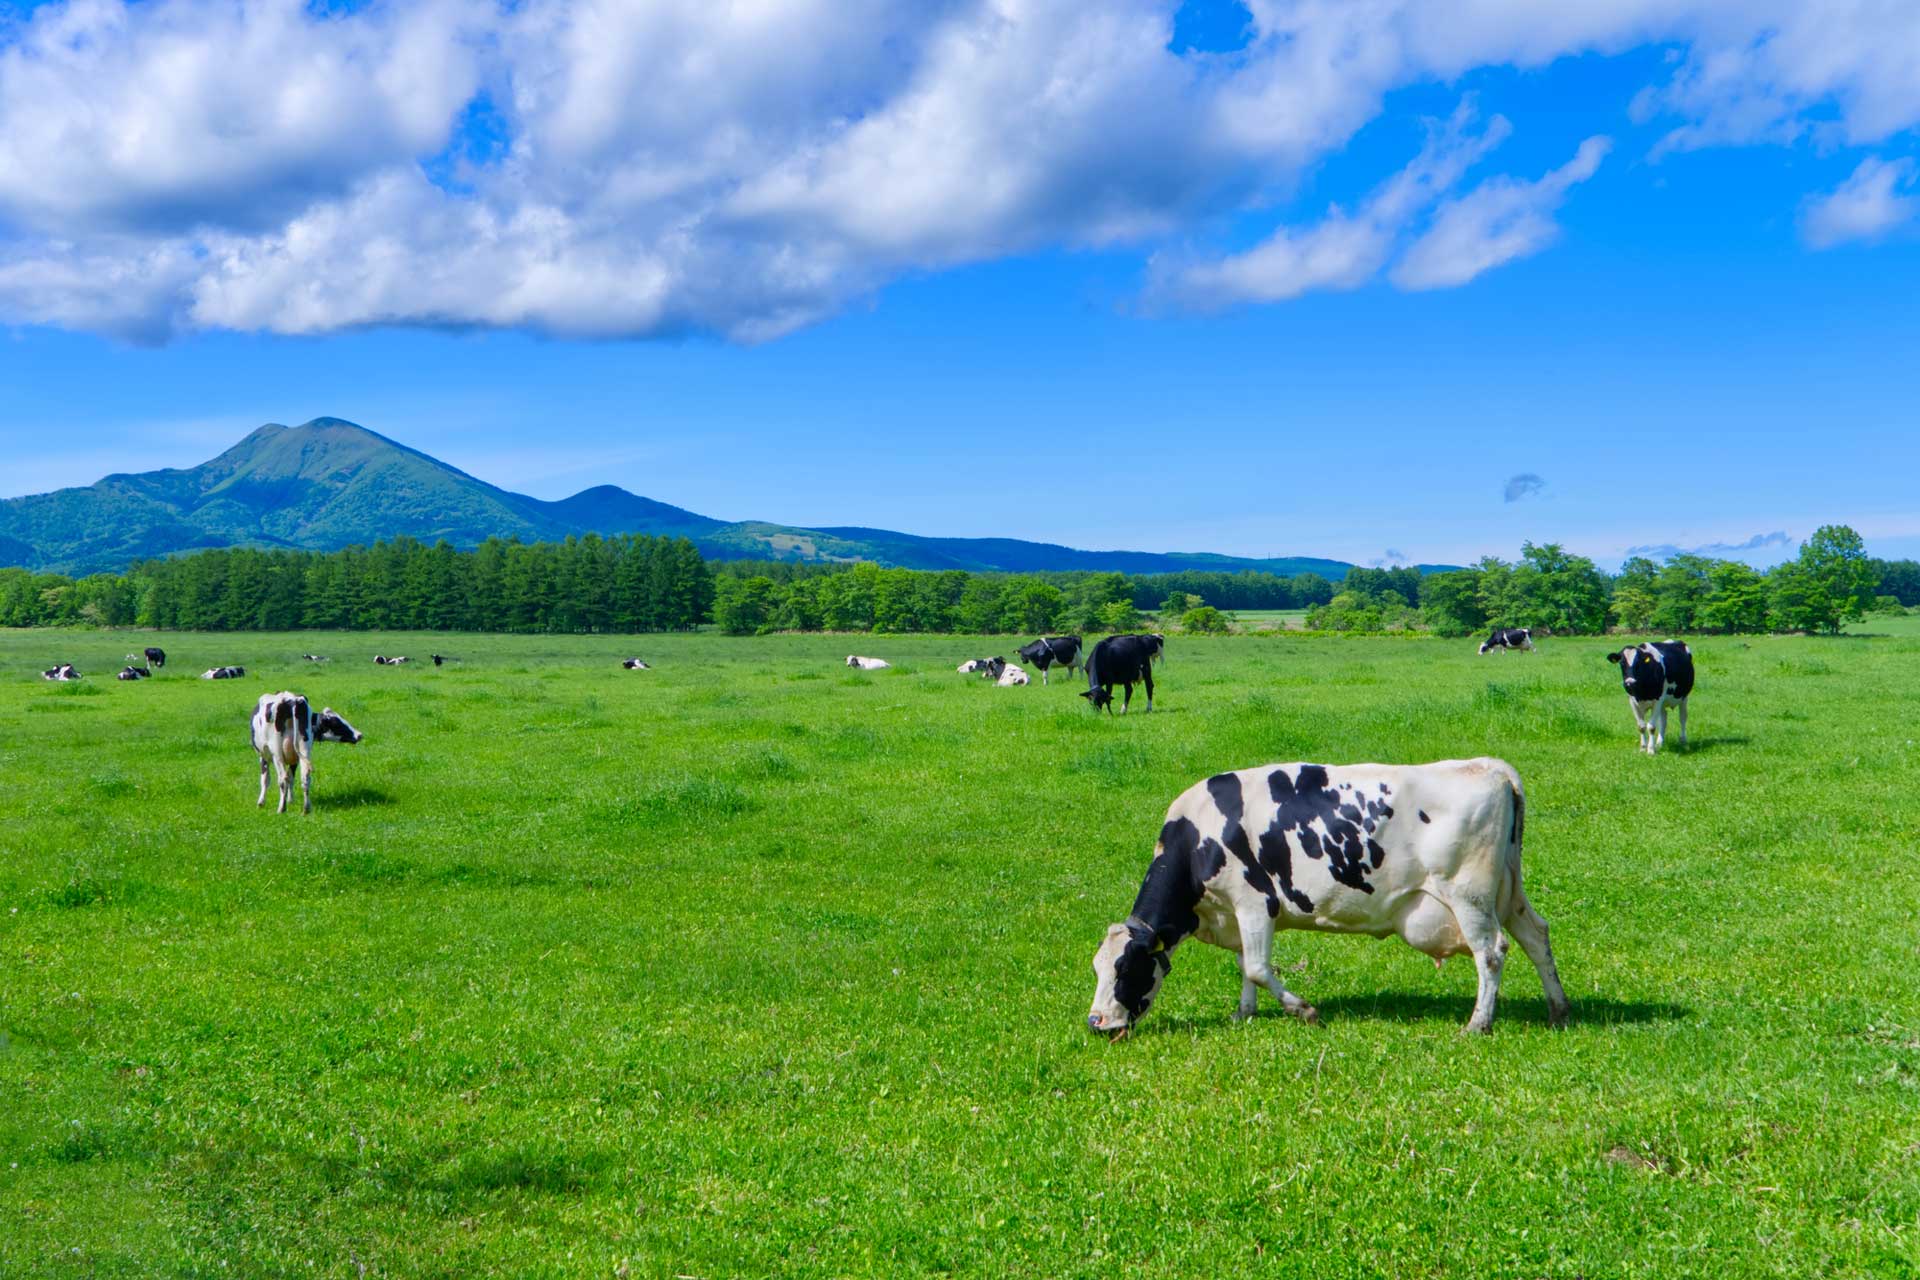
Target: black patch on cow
[[302, 719], [1326, 824], [1173, 885], [1648, 678], [1423, 815]]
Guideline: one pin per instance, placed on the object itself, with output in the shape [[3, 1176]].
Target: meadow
[[750, 965]]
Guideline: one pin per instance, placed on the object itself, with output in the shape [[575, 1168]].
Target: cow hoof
[[1557, 1018], [1309, 1015], [1477, 1029]]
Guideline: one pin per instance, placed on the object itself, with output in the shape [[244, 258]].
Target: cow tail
[[1510, 893]]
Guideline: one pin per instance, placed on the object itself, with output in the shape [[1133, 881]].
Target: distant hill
[[330, 484]]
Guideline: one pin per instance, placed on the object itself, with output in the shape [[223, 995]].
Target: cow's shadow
[[1719, 741], [356, 797], [1448, 1010]]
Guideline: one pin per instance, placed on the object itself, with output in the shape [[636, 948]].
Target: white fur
[[868, 664], [1013, 675]]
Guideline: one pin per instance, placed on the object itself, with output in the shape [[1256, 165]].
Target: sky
[[1380, 280]]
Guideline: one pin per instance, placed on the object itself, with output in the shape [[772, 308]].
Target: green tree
[[1680, 590], [1450, 602], [1828, 585], [1738, 598], [1205, 620], [1634, 594]]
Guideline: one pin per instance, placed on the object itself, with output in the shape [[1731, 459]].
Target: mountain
[[331, 483]]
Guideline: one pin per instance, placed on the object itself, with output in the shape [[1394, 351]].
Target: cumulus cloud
[[1524, 485], [681, 166], [1866, 206], [1758, 542]]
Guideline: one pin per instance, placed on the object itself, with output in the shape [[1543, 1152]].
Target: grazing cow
[[439, 658], [634, 664], [223, 673], [1049, 651], [156, 657], [64, 671], [1656, 676], [1509, 638], [868, 664], [1123, 660], [379, 661], [1429, 852], [284, 731], [313, 657], [133, 673]]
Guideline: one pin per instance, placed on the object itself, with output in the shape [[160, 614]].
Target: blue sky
[[1232, 292]]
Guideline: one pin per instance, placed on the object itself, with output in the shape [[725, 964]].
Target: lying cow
[[133, 673], [313, 657], [379, 661], [634, 664], [868, 664], [1003, 673], [64, 671], [972, 665], [223, 673], [1508, 638], [1122, 660], [1051, 651], [1656, 676], [1429, 852], [284, 731]]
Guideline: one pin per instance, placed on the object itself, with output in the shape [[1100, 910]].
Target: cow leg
[[1660, 725], [261, 803], [306, 785], [1127, 704], [1256, 967], [286, 784], [1146, 676], [1530, 931], [1639, 721], [1043, 676], [1683, 721], [1489, 946]]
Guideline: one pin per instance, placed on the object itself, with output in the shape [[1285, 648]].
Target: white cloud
[[1498, 221], [745, 169], [1865, 207]]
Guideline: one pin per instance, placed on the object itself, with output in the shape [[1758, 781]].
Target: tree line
[[587, 584], [636, 583]]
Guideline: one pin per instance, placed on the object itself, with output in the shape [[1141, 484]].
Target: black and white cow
[[379, 661], [972, 665], [156, 657], [1050, 651], [1005, 674], [284, 730], [634, 664], [1656, 676], [313, 657], [64, 671], [223, 673], [1428, 852], [133, 673], [1509, 638], [439, 659], [868, 664], [1123, 660]]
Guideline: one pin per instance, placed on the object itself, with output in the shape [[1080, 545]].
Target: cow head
[[1127, 972], [331, 726], [1097, 696]]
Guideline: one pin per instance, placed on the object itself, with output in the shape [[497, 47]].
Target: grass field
[[750, 965], [1270, 619]]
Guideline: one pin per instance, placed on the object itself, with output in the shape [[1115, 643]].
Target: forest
[[636, 583]]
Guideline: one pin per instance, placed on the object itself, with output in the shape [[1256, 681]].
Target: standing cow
[[1428, 852], [1051, 651], [284, 731], [1508, 638], [1656, 676], [1122, 660]]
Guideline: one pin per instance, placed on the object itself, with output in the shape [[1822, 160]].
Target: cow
[[1124, 660], [64, 671], [1508, 638], [1010, 675], [1656, 676], [439, 659], [284, 730], [379, 661], [634, 664], [868, 664], [313, 657], [223, 673], [972, 665], [1428, 852], [133, 673], [156, 657], [1049, 651]]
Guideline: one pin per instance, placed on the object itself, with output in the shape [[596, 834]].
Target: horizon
[[1625, 280]]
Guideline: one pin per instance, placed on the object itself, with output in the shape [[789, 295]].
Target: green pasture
[[750, 965]]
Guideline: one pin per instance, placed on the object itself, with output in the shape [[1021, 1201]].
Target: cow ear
[[1613, 656], [1086, 693]]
